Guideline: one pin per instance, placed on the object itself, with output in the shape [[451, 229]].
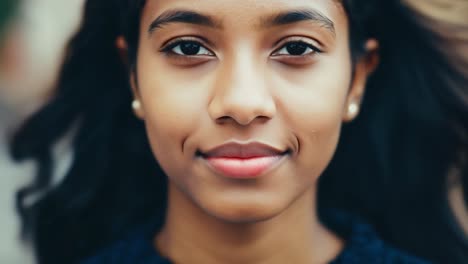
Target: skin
[[245, 89]]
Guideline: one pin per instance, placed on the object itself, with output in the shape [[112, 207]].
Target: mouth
[[243, 161]]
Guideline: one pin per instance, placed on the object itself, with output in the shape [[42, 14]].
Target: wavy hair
[[391, 164]]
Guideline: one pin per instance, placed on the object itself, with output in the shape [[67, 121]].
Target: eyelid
[[282, 42], [172, 43]]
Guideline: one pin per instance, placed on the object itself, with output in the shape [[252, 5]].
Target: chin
[[243, 216], [242, 212]]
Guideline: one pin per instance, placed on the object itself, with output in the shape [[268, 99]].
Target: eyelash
[[168, 48], [298, 41]]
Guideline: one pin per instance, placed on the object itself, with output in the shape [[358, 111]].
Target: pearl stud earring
[[136, 105], [353, 110]]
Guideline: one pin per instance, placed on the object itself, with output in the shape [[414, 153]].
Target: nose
[[241, 94]]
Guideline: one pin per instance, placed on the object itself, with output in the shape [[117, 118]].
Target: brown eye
[[190, 48], [296, 48], [187, 48]]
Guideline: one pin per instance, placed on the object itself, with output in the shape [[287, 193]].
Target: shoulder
[[363, 244]]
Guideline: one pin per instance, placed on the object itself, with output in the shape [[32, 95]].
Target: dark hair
[[391, 164]]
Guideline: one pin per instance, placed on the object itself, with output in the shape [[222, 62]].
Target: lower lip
[[243, 168]]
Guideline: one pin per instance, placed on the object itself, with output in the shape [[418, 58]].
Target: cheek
[[312, 107], [173, 109], [318, 133]]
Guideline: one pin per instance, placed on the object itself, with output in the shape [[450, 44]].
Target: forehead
[[245, 13]]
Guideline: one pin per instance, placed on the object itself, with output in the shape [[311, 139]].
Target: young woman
[[241, 106]]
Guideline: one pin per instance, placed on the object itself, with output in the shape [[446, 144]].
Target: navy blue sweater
[[362, 246]]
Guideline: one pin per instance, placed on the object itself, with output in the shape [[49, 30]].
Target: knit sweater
[[362, 246]]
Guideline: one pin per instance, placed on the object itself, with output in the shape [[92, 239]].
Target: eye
[[186, 48], [296, 48]]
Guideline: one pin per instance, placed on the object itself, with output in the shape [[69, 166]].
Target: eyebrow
[[296, 16], [283, 18], [182, 16]]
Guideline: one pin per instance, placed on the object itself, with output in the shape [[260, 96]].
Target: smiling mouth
[[243, 161]]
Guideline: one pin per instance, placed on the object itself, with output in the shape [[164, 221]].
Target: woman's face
[[243, 100]]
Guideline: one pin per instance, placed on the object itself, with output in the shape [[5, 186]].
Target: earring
[[136, 105], [353, 110]]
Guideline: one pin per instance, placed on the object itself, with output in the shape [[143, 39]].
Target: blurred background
[[33, 35]]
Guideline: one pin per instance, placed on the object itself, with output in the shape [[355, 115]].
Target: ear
[[363, 68], [122, 48]]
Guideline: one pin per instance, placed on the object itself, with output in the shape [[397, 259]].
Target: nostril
[[224, 119], [263, 119], [228, 108], [242, 121]]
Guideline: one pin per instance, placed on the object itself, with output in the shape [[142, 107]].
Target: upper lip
[[242, 151]]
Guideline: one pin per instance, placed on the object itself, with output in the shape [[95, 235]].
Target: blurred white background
[[29, 60]]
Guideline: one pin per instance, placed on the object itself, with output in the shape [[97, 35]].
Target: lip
[[243, 161]]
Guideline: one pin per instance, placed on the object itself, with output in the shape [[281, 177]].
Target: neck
[[294, 236]]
